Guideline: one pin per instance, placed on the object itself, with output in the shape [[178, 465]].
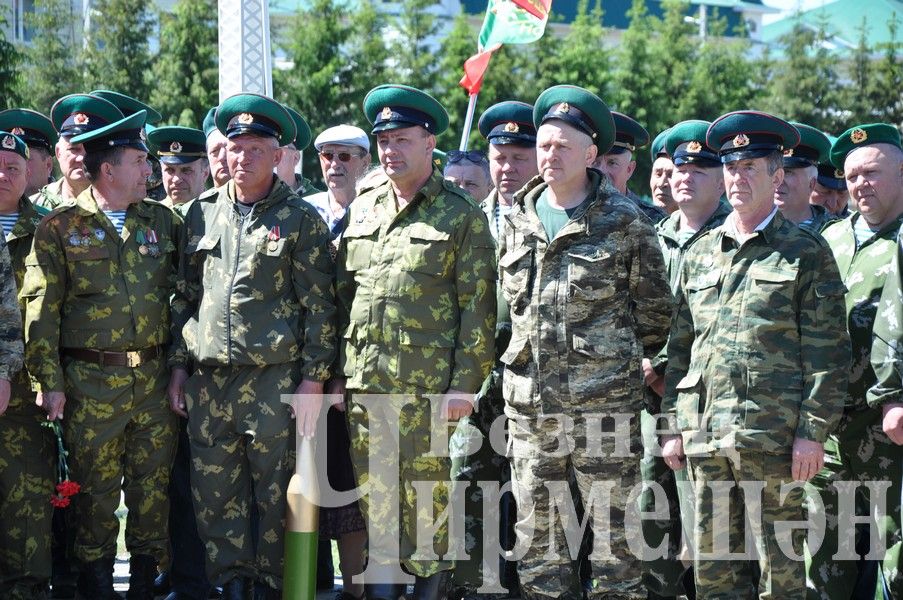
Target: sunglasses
[[474, 156], [342, 156]]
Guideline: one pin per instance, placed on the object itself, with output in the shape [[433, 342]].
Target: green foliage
[[10, 59], [185, 72], [415, 59], [51, 67], [117, 55]]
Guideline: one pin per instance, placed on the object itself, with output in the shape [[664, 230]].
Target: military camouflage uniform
[[585, 308], [416, 291], [651, 211], [484, 463], [26, 458], [25, 464], [757, 357], [50, 196], [664, 576], [87, 288], [821, 218], [860, 451], [255, 313]]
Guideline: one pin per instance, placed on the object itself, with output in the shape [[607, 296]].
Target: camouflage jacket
[[864, 271], [416, 291], [87, 287], [887, 344], [11, 347], [50, 196], [758, 353], [503, 318], [821, 218], [18, 242], [649, 210], [674, 251], [255, 290], [585, 306]]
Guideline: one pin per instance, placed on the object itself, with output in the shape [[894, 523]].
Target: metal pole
[[245, 62], [468, 121]]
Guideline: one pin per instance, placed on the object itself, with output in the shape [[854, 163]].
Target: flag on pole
[[506, 22]]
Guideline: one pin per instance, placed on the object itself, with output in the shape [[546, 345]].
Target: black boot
[[142, 572], [161, 584], [384, 591], [95, 581], [435, 587], [237, 588]]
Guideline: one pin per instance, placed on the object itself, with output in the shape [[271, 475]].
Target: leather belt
[[132, 358]]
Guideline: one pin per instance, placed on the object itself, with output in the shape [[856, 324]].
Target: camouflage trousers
[[477, 462], [663, 576], [121, 438], [242, 452], [27, 479], [403, 462], [545, 455], [722, 515], [859, 452]]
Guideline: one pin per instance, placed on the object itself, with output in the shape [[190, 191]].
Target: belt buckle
[[132, 359]]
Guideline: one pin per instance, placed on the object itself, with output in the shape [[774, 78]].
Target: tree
[[582, 57], [458, 46], [117, 54], [415, 60], [50, 66], [10, 58], [185, 68], [887, 91]]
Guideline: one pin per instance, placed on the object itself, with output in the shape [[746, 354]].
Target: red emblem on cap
[[386, 113], [9, 142], [80, 119], [175, 147], [245, 118], [694, 147], [857, 136], [788, 152], [512, 127], [740, 140], [17, 131]]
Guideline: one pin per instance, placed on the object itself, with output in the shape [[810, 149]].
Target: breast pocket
[[769, 310], [89, 269], [516, 272], [429, 251], [202, 254], [360, 244], [593, 275], [690, 399]]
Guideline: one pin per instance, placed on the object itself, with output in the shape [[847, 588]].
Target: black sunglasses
[[342, 156], [474, 156]]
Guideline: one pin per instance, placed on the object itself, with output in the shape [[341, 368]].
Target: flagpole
[[468, 121]]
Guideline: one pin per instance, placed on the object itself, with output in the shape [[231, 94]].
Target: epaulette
[[42, 211], [210, 194]]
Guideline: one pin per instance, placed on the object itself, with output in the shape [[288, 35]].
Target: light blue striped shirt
[[8, 221], [117, 218]]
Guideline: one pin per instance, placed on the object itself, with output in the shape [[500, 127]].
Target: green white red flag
[[506, 22]]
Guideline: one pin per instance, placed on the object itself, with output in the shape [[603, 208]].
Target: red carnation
[[59, 501], [68, 488]]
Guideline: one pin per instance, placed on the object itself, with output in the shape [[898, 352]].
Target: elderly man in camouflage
[[697, 188], [864, 450], [254, 314], [757, 363], [26, 449], [583, 276], [97, 287], [416, 289], [800, 176]]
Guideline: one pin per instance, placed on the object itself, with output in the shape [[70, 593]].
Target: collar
[[731, 229], [278, 191]]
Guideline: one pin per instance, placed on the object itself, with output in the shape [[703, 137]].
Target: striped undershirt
[[117, 218], [8, 221]]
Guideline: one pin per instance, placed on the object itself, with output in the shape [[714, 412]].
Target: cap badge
[[564, 107], [857, 136], [838, 173], [511, 127], [740, 140], [175, 147], [386, 114], [245, 118], [141, 135], [80, 119], [788, 152], [694, 147], [17, 131], [9, 142]]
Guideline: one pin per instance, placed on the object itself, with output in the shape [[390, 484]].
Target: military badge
[[74, 239], [564, 107], [175, 147], [694, 147], [740, 140], [100, 234], [273, 236], [386, 114], [788, 152], [512, 127], [80, 119], [17, 131], [141, 135], [857, 136], [245, 118], [9, 142], [838, 173]]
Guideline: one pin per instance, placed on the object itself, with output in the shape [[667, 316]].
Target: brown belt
[[132, 358]]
